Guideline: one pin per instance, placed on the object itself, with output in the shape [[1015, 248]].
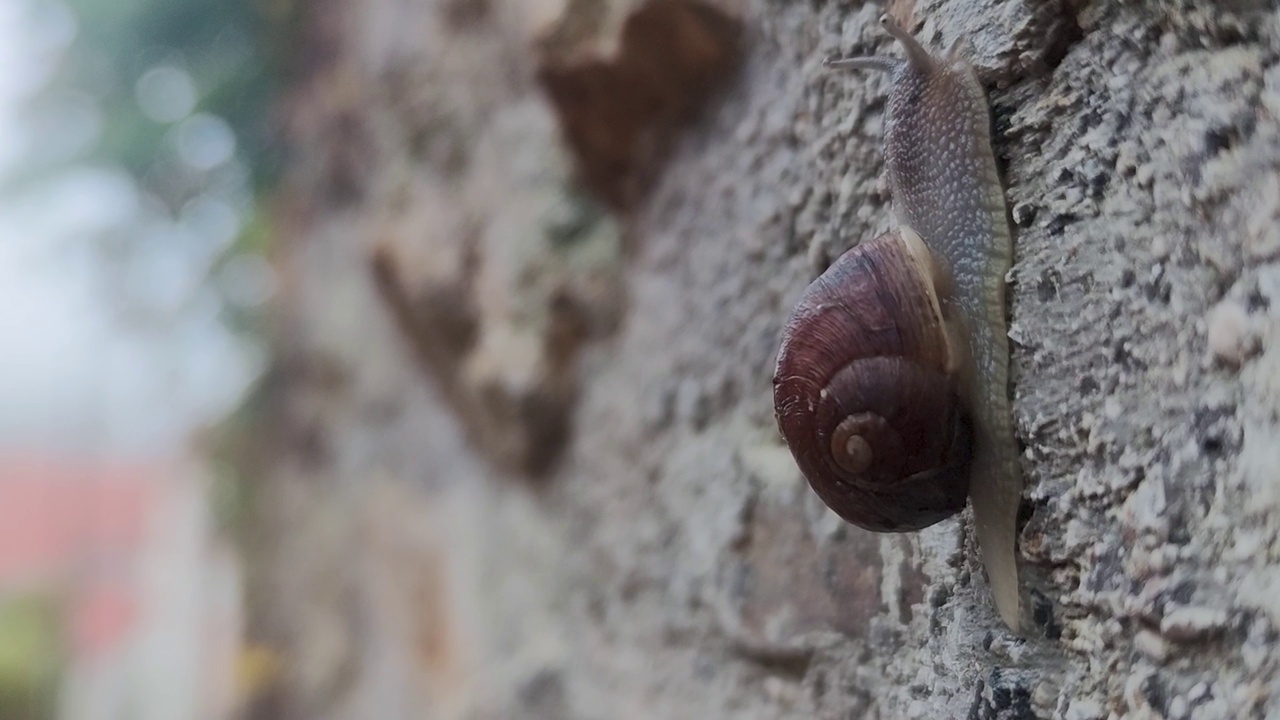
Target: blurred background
[[411, 358], [134, 152], [235, 238]]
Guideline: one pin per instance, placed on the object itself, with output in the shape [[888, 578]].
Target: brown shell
[[865, 390]]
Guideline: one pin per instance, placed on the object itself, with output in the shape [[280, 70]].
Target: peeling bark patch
[[617, 108], [519, 427], [497, 302]]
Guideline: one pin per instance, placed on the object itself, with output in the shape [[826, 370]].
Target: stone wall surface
[[537, 255]]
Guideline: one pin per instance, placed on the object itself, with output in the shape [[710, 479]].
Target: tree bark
[[523, 460]]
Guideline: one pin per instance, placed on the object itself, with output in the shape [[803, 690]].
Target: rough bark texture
[[524, 462]]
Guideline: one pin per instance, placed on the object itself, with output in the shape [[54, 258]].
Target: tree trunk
[[535, 261]]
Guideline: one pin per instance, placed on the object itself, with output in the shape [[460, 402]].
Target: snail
[[891, 381]]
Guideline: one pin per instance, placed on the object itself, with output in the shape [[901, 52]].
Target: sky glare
[[77, 374]]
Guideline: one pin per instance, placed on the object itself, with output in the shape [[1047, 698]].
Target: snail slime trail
[[891, 382]]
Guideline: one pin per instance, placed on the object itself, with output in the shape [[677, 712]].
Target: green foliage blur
[[30, 659], [225, 48], [214, 68]]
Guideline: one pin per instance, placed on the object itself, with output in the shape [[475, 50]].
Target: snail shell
[[947, 190], [865, 389]]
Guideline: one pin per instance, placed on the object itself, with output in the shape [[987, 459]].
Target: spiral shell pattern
[[865, 389]]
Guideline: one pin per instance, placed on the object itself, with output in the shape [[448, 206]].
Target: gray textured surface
[[674, 565]]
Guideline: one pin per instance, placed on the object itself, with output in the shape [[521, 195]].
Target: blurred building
[[145, 599]]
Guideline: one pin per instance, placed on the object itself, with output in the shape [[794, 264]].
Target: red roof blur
[[78, 525]]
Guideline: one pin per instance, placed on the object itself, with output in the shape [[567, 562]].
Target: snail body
[[947, 196]]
